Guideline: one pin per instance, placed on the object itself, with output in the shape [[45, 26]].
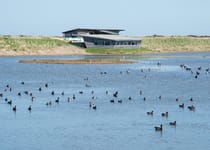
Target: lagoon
[[73, 125]]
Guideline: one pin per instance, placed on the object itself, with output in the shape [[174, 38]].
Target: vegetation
[[150, 44], [157, 44], [174, 44], [22, 43], [117, 50]]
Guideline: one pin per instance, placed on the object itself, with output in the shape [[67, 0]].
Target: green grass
[[171, 44], [117, 50], [162, 44], [29, 43]]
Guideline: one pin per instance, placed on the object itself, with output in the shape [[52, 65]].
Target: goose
[[159, 128]]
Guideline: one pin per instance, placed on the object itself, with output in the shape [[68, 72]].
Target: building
[[101, 38]]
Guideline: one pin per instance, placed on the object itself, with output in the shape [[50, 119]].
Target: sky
[[137, 17]]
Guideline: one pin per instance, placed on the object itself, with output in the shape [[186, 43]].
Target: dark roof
[[95, 30]]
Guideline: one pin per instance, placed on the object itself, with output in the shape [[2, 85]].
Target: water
[[73, 125]]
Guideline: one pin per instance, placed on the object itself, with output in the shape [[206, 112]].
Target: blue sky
[[137, 17]]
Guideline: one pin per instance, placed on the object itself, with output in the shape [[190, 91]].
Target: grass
[[173, 44], [117, 50], [162, 44], [20, 43], [150, 44]]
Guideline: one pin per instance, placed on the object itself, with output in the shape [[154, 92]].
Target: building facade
[[101, 38]]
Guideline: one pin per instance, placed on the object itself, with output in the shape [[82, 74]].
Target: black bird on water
[[150, 113], [29, 108], [14, 108], [172, 123], [159, 128]]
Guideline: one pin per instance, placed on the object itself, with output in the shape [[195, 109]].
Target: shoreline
[[54, 46]]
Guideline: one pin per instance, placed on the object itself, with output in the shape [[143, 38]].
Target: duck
[[52, 93], [159, 128], [160, 97], [172, 123], [115, 94], [29, 108], [62, 93], [14, 108], [164, 114], [57, 100], [150, 113], [40, 89], [94, 107], [111, 101], [9, 102], [90, 104], [191, 108], [181, 106], [46, 85], [119, 101]]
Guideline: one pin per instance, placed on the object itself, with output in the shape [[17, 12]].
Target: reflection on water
[[72, 124]]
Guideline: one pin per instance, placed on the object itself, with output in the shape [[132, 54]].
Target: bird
[[90, 104], [119, 101], [52, 93], [46, 85], [115, 94], [164, 114], [14, 108], [9, 102], [111, 101], [40, 89], [57, 100], [29, 108], [172, 123], [150, 112], [191, 108], [181, 106], [159, 128], [62, 93], [94, 107]]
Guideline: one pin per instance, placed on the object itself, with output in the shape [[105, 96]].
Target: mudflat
[[82, 61]]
